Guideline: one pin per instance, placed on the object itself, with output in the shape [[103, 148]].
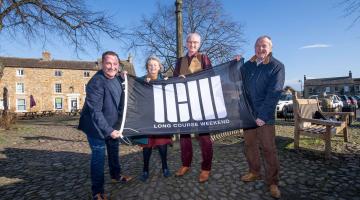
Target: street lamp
[[300, 81]]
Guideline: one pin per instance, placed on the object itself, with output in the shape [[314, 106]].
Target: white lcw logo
[[204, 98]]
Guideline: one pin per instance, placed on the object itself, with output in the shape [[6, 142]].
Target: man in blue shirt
[[263, 78]]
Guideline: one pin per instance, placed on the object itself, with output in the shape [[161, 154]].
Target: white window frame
[[59, 74], [346, 88], [55, 89], [23, 88], [62, 103], [86, 74], [85, 87], [17, 105], [20, 72], [1, 104], [327, 89]]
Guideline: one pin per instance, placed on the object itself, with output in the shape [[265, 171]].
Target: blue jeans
[[98, 161]]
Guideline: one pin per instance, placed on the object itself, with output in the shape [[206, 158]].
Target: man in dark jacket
[[263, 77], [99, 120]]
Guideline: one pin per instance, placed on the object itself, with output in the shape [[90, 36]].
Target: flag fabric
[[32, 101], [210, 101]]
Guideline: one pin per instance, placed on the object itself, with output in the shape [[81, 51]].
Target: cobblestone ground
[[49, 159]]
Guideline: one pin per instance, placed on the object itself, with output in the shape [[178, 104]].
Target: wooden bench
[[47, 113], [304, 110], [30, 115], [74, 112]]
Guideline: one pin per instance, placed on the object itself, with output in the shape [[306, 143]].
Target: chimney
[[130, 58], [350, 74], [304, 78], [46, 56]]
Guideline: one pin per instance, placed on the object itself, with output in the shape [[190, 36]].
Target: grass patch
[[2, 140]]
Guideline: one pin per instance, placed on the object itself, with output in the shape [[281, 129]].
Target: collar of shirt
[[258, 62]]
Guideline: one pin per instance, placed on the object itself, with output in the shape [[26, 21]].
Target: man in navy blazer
[[99, 120]]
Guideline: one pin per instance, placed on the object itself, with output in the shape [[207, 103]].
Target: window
[[357, 88], [20, 88], [327, 89], [336, 89], [346, 88], [58, 103], [57, 87], [58, 73], [311, 91], [20, 72], [20, 105], [86, 74], [1, 104]]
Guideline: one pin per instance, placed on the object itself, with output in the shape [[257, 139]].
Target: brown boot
[[249, 177], [275, 192], [204, 176], [182, 171]]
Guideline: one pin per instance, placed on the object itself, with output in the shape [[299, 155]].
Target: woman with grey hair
[[153, 67]]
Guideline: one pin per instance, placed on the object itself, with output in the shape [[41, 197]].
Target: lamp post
[[301, 92], [179, 28]]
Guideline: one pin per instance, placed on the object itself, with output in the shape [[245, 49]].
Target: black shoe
[[166, 173], [144, 176]]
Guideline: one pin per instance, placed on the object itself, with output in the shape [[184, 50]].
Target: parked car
[[353, 101], [329, 102], [358, 100], [285, 99], [288, 112], [346, 101]]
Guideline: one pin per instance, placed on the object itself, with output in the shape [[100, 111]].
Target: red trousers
[[263, 137], [187, 151]]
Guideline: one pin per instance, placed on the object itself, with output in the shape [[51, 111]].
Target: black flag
[[210, 101]]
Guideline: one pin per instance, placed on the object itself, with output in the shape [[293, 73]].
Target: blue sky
[[310, 37]]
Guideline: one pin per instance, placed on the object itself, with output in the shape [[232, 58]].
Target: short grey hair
[[153, 57], [264, 37], [193, 34]]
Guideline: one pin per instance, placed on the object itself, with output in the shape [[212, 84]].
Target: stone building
[[344, 85], [52, 84]]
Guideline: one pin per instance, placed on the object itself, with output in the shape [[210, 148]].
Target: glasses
[[193, 42]]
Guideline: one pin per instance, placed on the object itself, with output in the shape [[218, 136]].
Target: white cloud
[[316, 46]]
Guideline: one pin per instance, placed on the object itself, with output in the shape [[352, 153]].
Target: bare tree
[[71, 20], [221, 37], [351, 8]]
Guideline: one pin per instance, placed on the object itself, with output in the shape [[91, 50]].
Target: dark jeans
[[98, 161], [187, 150]]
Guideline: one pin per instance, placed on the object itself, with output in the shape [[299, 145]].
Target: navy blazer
[[102, 109]]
